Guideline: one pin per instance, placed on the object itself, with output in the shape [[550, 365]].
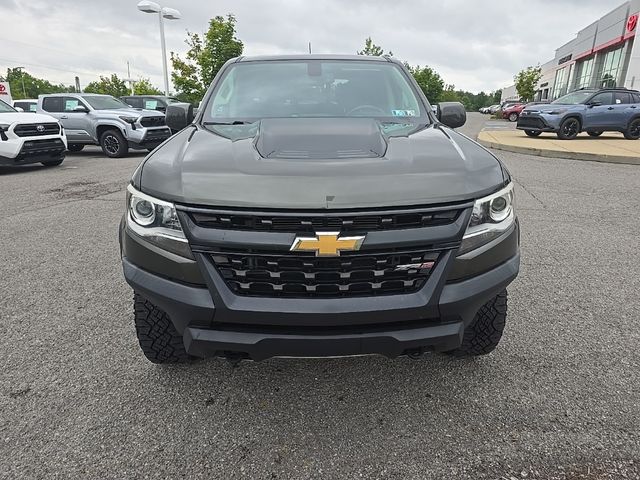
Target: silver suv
[[103, 120]]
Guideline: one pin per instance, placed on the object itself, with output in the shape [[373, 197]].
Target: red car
[[513, 112]]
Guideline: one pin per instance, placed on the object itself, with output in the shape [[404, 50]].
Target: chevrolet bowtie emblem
[[327, 244]]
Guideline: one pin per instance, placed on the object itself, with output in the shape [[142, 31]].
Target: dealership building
[[604, 54]]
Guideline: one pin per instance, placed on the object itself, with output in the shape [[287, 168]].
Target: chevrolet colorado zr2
[[316, 206]]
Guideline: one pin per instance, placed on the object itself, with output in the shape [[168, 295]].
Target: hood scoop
[[320, 138]]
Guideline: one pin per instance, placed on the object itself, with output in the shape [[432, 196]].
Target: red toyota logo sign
[[632, 23]]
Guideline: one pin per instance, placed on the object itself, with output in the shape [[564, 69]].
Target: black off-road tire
[[633, 132], [533, 133], [75, 147], [483, 334], [53, 163], [594, 134], [159, 340], [113, 144], [569, 129]]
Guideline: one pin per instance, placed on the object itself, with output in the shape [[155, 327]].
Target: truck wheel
[[53, 163], [513, 117], [483, 334], [594, 134], [75, 147], [114, 144], [633, 132], [532, 133], [159, 340], [569, 129]]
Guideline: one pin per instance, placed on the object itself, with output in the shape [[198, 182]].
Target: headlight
[[3, 128], [130, 120], [157, 222], [491, 217]]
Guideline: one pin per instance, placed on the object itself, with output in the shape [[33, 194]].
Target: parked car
[[493, 109], [26, 105], [285, 222], [512, 112], [149, 102], [30, 138], [488, 109], [588, 110], [106, 121]]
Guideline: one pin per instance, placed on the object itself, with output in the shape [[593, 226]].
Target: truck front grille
[[152, 121], [260, 274], [309, 223], [531, 122], [52, 146], [36, 129]]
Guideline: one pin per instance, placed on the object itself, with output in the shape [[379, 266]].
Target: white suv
[[30, 138]]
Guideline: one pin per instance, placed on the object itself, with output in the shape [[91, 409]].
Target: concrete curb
[[591, 157]]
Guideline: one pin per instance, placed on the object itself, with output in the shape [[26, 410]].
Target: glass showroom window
[[585, 71], [560, 84], [611, 68]]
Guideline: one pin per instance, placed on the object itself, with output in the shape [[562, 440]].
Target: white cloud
[[474, 45]]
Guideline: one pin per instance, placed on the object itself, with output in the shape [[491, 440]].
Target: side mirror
[[80, 109], [19, 109], [452, 114], [594, 104], [179, 115]]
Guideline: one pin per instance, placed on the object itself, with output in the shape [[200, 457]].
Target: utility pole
[[130, 79], [309, 48], [24, 90]]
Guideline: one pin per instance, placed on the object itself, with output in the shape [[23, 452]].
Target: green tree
[[372, 49], [144, 87], [429, 81], [33, 86], [206, 55], [526, 82], [108, 86], [497, 96]]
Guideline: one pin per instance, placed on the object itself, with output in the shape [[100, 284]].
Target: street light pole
[[164, 54], [147, 6]]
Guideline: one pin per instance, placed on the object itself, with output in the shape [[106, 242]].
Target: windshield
[[314, 88], [105, 102], [574, 98], [4, 108]]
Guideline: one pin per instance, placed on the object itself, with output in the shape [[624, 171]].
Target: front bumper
[[216, 322], [147, 137], [538, 123], [23, 151]]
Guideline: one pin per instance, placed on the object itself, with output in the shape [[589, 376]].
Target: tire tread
[[159, 340], [484, 333]]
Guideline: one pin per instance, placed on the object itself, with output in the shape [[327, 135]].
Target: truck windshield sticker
[[70, 105], [403, 113]]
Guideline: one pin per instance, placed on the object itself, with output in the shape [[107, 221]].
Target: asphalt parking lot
[[560, 397]]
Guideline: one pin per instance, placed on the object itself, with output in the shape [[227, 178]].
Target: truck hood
[[19, 117], [130, 111], [319, 164]]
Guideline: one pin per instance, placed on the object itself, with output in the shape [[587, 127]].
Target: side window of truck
[[52, 104]]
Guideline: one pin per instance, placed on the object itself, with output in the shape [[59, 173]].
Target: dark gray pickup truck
[[316, 206]]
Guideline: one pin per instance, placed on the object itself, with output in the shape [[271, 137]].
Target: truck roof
[[323, 56]]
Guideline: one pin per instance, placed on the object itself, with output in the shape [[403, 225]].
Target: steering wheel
[[369, 107]]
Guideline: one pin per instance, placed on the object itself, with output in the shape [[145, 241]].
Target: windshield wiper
[[235, 122]]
